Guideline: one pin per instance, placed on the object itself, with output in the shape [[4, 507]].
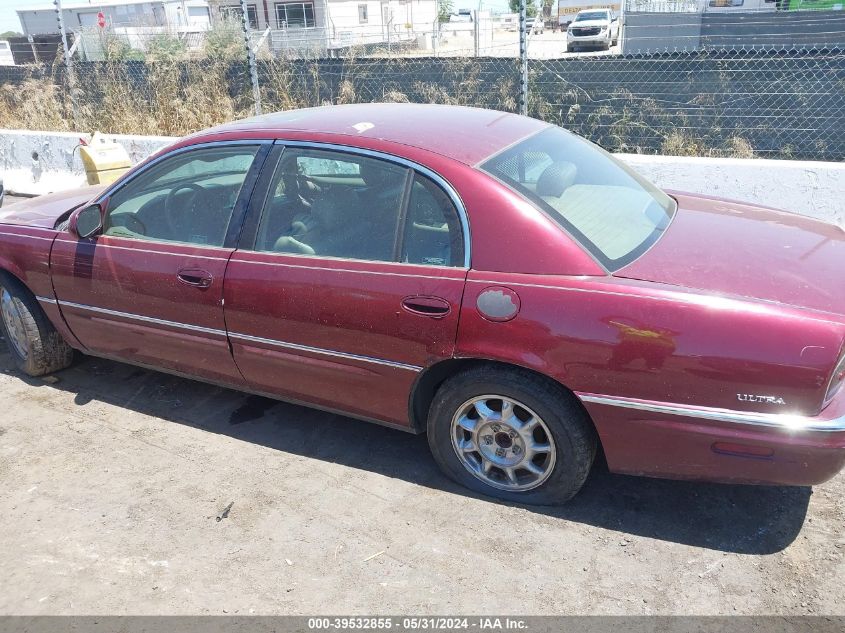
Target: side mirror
[[87, 221]]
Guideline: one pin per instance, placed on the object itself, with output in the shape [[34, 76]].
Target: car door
[[149, 288], [347, 282]]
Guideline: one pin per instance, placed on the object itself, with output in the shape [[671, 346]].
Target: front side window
[[613, 212], [187, 198], [295, 15], [362, 14]]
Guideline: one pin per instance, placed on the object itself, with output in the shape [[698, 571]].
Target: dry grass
[[683, 144], [173, 95], [176, 98], [35, 104]]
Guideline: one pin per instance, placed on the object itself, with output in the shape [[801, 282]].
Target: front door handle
[[434, 307], [195, 277]]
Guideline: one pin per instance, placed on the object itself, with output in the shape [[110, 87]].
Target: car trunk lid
[[739, 249]]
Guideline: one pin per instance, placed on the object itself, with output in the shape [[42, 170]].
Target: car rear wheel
[[35, 345], [511, 434]]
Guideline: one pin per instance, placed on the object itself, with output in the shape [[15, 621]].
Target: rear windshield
[[612, 211]]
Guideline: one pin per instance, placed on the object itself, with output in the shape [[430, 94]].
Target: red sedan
[[491, 279]]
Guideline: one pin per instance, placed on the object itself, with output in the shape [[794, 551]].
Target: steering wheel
[[170, 208], [134, 224]]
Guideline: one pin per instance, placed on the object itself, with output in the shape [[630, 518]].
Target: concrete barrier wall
[[40, 162], [807, 187], [34, 163]]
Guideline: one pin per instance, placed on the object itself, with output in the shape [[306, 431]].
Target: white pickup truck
[[593, 28]]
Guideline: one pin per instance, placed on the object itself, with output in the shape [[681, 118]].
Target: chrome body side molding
[[782, 421], [246, 338]]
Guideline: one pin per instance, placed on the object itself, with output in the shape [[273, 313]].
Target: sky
[[9, 19]]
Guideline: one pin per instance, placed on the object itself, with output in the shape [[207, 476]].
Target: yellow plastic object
[[104, 160]]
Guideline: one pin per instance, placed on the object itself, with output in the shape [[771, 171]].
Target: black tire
[[571, 429], [46, 351]]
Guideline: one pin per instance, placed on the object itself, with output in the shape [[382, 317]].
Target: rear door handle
[[434, 307], [195, 277]]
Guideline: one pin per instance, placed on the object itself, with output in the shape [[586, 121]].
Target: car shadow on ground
[[731, 518]]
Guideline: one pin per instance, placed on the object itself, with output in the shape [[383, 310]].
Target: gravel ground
[[113, 478]]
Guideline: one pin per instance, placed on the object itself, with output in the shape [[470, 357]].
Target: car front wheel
[[35, 345], [510, 434]]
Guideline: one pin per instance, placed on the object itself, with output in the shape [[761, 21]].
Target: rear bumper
[[681, 442]]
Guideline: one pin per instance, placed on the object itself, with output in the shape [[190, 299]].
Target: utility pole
[[250, 58], [523, 58], [68, 62]]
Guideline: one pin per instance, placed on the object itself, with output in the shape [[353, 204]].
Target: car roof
[[468, 135]]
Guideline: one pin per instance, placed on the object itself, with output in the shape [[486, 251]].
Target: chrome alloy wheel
[[503, 443], [13, 321]]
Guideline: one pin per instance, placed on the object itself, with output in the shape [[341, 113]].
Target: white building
[[173, 16], [330, 24]]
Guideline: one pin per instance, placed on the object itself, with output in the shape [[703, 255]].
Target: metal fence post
[[623, 11], [250, 58], [476, 33], [68, 62], [523, 58], [34, 50]]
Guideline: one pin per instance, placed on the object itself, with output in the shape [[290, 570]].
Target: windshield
[[591, 15], [611, 210]]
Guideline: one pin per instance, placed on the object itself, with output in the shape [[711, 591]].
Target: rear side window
[[433, 234]]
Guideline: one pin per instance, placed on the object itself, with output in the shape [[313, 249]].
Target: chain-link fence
[[676, 79]]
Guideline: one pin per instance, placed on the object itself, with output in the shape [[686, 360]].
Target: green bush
[[225, 40], [165, 47]]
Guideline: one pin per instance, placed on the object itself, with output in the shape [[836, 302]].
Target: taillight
[[836, 381]]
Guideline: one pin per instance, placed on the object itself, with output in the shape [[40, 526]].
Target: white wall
[[41, 22], [6, 58], [44, 21], [343, 14], [809, 188]]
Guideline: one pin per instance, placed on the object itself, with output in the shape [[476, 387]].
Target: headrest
[[556, 178], [372, 173]]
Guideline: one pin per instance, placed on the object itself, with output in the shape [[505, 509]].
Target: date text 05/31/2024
[[417, 623]]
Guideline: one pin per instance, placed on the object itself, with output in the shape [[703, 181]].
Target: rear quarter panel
[[619, 338]]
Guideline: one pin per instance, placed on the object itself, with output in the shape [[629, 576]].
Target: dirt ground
[[113, 478]]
